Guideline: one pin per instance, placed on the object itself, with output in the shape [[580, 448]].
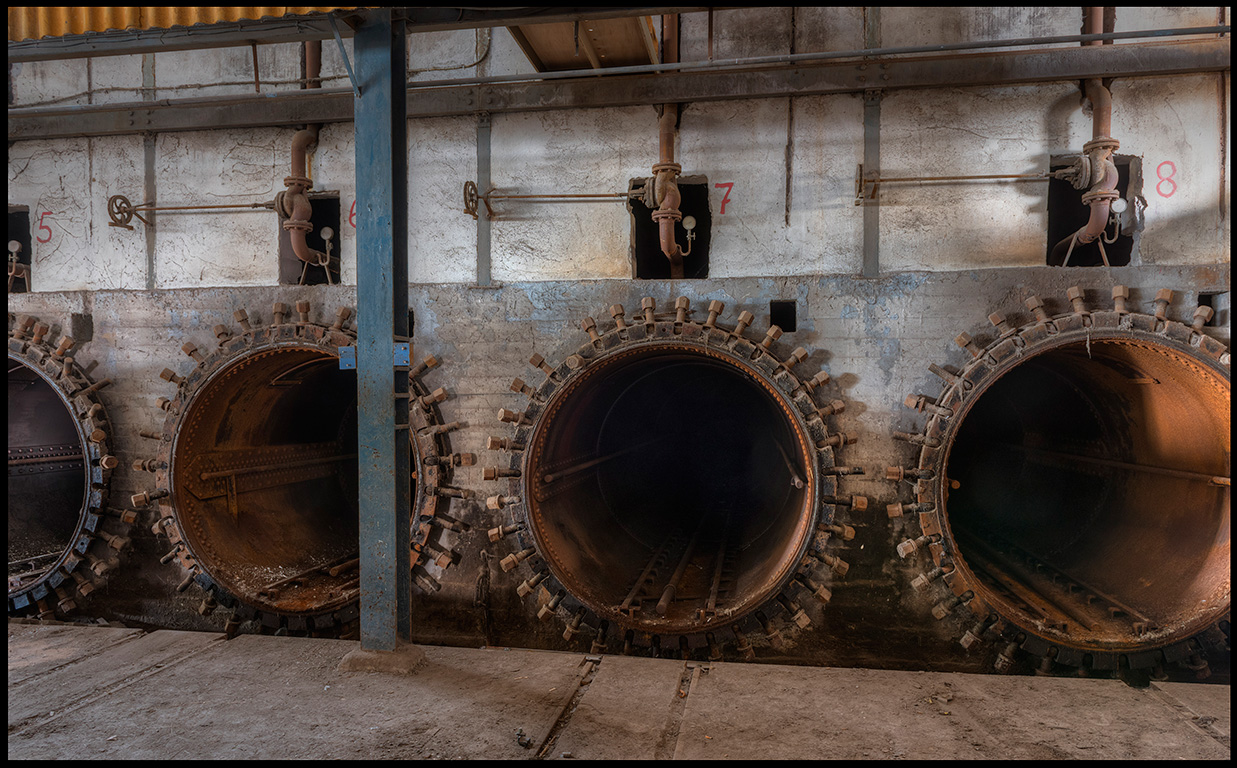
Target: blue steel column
[[382, 318]]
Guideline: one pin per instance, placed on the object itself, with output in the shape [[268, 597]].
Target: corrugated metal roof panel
[[55, 21]]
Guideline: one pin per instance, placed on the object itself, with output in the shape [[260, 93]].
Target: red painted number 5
[[43, 226]]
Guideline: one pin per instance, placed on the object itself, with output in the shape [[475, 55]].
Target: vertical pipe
[[148, 163], [666, 170], [483, 187], [871, 151], [382, 317]]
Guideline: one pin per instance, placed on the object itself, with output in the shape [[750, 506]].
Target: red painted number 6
[[43, 226], [352, 215]]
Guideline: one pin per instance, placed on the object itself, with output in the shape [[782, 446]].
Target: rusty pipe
[[1103, 171], [667, 193], [666, 172], [295, 203]]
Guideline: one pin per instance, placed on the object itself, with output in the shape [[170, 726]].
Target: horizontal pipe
[[795, 58], [330, 105], [694, 66], [1033, 176], [274, 467]]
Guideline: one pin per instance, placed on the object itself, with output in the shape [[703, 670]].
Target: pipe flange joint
[[663, 167], [673, 215], [298, 181], [298, 224], [1102, 142], [1100, 195]]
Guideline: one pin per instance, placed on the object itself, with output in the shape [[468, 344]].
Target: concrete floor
[[90, 692]]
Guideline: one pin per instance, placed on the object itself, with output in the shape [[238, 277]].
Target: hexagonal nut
[[1074, 292], [1164, 294], [682, 303], [1120, 292], [859, 503]]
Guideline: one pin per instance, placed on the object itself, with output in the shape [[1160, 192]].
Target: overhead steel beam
[[803, 79], [382, 321], [292, 29]]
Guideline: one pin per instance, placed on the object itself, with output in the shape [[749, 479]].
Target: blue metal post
[[382, 319]]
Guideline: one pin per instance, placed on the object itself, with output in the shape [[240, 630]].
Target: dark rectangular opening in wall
[[1067, 214], [18, 261], [649, 261], [291, 268], [1220, 304], [783, 314]]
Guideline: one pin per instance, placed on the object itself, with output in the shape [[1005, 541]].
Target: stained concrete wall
[[790, 230], [875, 337], [790, 161]]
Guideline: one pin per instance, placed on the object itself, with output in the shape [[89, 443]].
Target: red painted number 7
[[728, 186]]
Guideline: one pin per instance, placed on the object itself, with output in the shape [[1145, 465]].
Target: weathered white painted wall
[[62, 183], [791, 161]]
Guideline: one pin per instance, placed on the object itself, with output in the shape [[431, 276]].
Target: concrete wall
[[791, 161], [875, 337], [790, 230]]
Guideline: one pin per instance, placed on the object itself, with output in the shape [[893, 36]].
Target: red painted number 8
[[1172, 171]]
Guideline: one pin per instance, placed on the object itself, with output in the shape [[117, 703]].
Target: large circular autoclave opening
[[264, 474], [1092, 495], [47, 476], [668, 467]]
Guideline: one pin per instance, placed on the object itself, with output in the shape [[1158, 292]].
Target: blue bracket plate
[[347, 358], [401, 356]]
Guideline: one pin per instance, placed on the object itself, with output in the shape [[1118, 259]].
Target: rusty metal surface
[[62, 537], [1072, 489], [35, 22], [256, 471], [597, 43], [672, 479]]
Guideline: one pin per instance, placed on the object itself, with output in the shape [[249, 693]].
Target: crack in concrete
[[591, 663], [668, 743]]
